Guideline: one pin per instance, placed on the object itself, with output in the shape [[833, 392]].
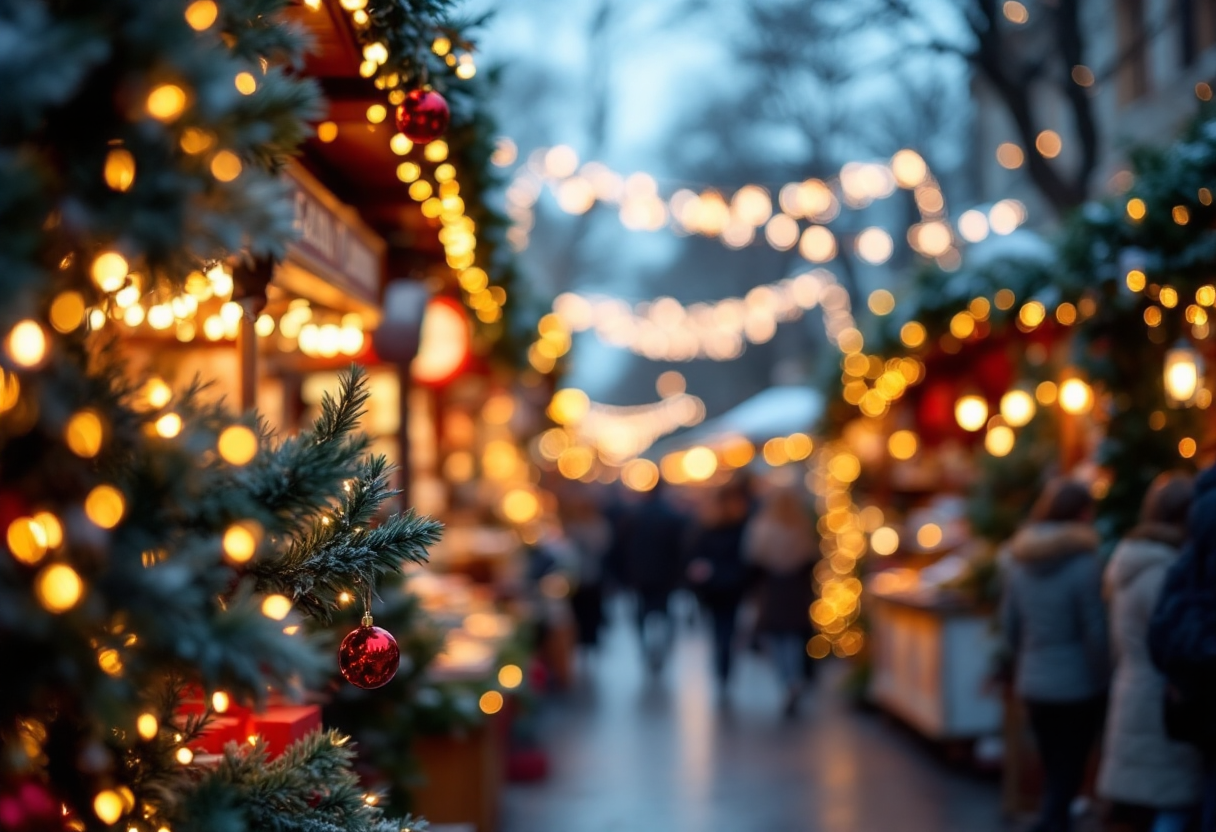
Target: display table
[[931, 660]]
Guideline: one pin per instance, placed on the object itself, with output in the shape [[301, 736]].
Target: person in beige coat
[[1152, 782]]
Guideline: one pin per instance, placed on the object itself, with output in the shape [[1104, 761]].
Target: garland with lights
[[751, 208], [418, 54], [1137, 263], [156, 544]]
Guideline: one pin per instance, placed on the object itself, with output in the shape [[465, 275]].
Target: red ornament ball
[[423, 116], [29, 808], [368, 657]]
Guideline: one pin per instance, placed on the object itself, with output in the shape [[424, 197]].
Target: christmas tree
[[158, 545]]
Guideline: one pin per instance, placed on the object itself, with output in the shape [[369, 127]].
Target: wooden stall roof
[[358, 166]]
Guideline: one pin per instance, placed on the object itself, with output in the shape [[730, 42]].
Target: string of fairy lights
[[594, 441], [798, 216], [666, 330]]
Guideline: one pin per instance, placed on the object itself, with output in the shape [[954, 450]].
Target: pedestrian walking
[[717, 573], [1152, 782], [780, 543], [1182, 640], [651, 546], [1054, 621], [591, 536]]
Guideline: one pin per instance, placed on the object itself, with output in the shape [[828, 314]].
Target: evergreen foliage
[[122, 132], [1163, 226]]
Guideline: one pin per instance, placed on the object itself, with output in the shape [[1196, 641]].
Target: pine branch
[[341, 554], [296, 479]]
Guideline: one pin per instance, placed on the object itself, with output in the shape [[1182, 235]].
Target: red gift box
[[219, 732], [280, 726]]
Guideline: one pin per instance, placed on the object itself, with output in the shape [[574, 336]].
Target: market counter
[[931, 659]]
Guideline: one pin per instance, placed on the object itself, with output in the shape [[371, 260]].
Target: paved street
[[628, 756]]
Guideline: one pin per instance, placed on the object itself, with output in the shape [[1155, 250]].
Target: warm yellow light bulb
[[195, 140], [84, 434], [147, 725], [510, 676], [1076, 397], [238, 445], [971, 412], [58, 587], [220, 701], [201, 14], [26, 344], [327, 131], [27, 540], [226, 166], [436, 151], [157, 392], [400, 145], [108, 806], [52, 529], [912, 334], [491, 702], [902, 444], [169, 425], [276, 607], [1017, 408], [999, 440], [246, 84], [377, 113], [166, 102], [105, 506], [884, 541], [67, 311], [240, 543], [119, 169], [110, 271]]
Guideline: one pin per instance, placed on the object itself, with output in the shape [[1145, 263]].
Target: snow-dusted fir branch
[[340, 553], [311, 787], [295, 479]]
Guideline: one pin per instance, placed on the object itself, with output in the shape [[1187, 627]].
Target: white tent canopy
[[777, 411]]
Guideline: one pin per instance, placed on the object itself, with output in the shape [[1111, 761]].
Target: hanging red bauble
[[29, 807], [423, 116], [369, 656]]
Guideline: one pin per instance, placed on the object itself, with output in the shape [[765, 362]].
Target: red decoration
[[369, 656], [423, 116], [219, 732], [29, 807], [281, 725]]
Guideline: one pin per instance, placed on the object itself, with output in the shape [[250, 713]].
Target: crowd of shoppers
[[729, 547], [1116, 653], [1150, 611]]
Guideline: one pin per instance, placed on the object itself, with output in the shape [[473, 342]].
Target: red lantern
[[445, 343]]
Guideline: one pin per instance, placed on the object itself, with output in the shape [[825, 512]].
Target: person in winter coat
[[717, 573], [780, 542], [1054, 622], [1182, 639], [651, 537], [591, 535], [1152, 781]]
